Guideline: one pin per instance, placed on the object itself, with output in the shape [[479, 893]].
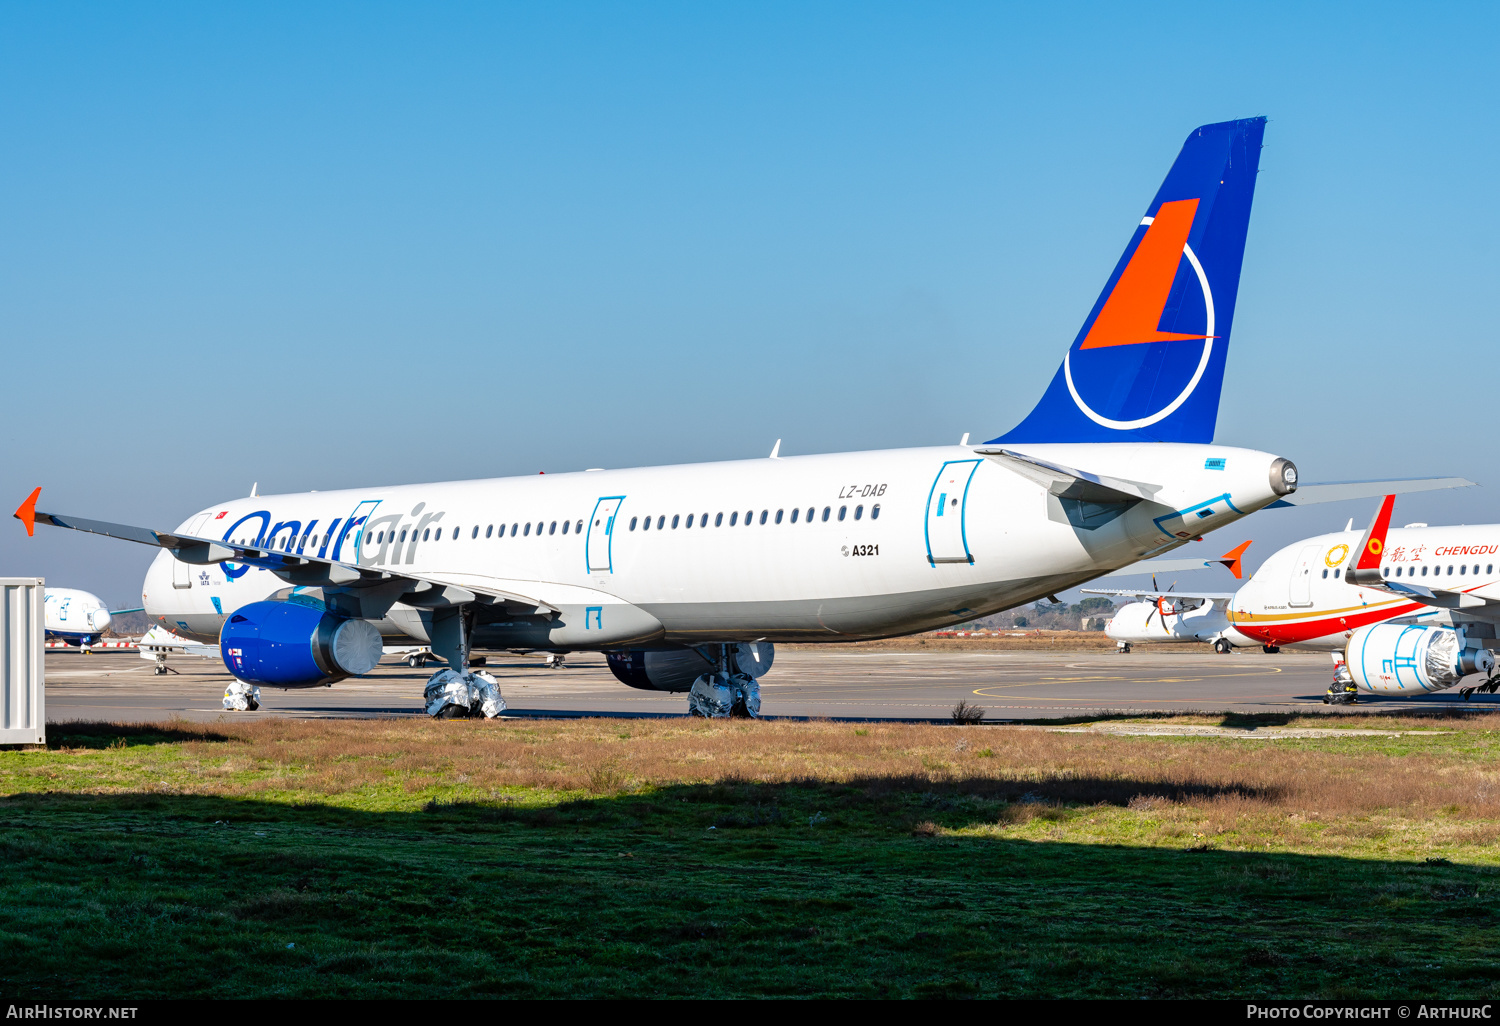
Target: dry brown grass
[[1224, 780]]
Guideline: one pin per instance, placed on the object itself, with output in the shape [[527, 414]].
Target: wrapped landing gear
[[555, 661], [241, 696], [1122, 647], [451, 695], [722, 695], [1270, 649], [1342, 691], [1222, 646]]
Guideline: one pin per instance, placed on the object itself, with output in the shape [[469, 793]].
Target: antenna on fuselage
[[775, 449], [254, 489]]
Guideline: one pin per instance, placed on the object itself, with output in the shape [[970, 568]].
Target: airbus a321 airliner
[[686, 575]]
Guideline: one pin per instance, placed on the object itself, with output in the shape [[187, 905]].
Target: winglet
[[1373, 543], [26, 513], [1232, 560]]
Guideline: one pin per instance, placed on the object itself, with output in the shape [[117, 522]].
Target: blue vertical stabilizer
[[1148, 363]]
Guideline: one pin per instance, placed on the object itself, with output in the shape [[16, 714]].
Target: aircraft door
[[1302, 576], [600, 537], [352, 533], [947, 506], [182, 573]]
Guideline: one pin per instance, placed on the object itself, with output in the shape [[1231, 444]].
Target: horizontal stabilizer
[[1337, 491], [1068, 483]]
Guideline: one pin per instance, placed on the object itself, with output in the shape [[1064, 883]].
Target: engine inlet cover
[[289, 645]]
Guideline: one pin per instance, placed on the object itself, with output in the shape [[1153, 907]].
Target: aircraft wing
[[1147, 593], [374, 589], [1335, 491]]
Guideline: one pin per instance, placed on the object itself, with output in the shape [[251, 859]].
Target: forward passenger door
[[600, 537]]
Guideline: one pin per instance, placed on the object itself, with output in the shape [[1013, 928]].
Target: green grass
[[128, 871]]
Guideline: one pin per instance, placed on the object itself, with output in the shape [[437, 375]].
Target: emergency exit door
[[601, 530], [947, 506], [182, 573]]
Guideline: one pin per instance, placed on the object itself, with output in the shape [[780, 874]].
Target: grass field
[[674, 858]]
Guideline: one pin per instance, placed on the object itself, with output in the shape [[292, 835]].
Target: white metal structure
[[23, 712]]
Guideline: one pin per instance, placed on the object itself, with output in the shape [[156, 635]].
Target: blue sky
[[322, 245]]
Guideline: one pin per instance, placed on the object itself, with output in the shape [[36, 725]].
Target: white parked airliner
[[685, 575]]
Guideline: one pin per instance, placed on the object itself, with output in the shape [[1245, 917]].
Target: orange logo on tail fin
[[1134, 307]]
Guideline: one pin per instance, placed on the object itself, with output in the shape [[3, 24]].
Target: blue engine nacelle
[[290, 645]]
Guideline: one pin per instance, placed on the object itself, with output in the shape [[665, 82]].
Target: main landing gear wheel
[[1270, 649], [241, 696], [1122, 647], [1223, 647], [555, 661], [451, 695]]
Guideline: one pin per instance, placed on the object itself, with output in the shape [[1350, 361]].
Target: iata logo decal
[[1336, 555], [1132, 316]]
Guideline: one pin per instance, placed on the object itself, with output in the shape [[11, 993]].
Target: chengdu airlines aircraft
[[76, 617], [685, 576], [1405, 611]]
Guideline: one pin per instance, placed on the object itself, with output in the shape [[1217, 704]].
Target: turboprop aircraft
[[1404, 611], [1186, 617], [686, 576], [76, 617]]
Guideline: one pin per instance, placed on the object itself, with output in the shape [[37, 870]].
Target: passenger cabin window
[[734, 518], [690, 520], [426, 532], [489, 531], [1336, 571], [513, 529], [763, 514], [826, 511], [1461, 570], [647, 525], [702, 519], [842, 511], [1450, 569], [661, 521], [875, 512], [778, 516], [794, 515], [552, 529], [567, 524], [1424, 571], [1386, 572], [675, 519], [1325, 574], [527, 533], [859, 511], [632, 523], [749, 517], [455, 534], [718, 520]]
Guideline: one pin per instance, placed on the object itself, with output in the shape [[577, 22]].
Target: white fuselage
[[1299, 595], [74, 615], [833, 547]]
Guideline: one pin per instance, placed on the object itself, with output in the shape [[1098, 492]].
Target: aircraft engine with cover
[[670, 568]]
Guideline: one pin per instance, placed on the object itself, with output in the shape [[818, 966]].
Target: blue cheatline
[[1148, 363]]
